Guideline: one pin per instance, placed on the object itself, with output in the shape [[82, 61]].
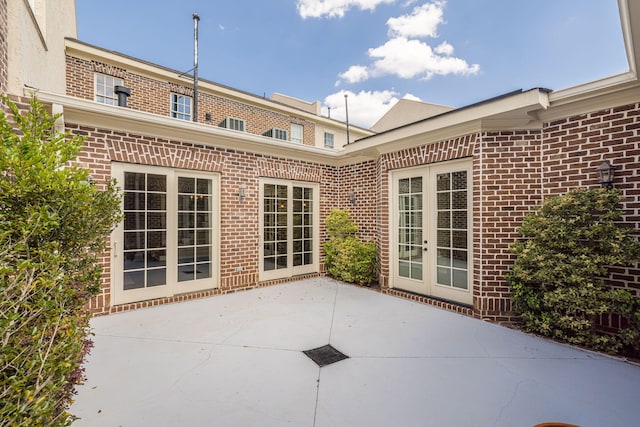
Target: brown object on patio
[[555, 425]]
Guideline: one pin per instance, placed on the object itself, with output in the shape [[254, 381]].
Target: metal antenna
[[196, 18]]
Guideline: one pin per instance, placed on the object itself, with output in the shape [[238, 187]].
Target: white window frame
[[290, 271], [177, 100], [329, 134], [235, 124], [104, 92], [297, 133], [274, 132], [173, 286]]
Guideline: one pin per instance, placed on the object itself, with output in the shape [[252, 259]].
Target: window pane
[[134, 240], [133, 280], [156, 183], [460, 279], [134, 181], [156, 202], [186, 220], [444, 276], [156, 277], [203, 253], [157, 258], [203, 271], [134, 201], [443, 182], [459, 180], [186, 185]]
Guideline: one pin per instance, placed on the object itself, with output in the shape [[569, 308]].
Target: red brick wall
[[507, 166], [575, 146], [154, 96], [360, 178], [239, 234]]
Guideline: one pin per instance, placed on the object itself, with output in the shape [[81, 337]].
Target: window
[[277, 134], [181, 106], [296, 133], [328, 140], [233, 123], [166, 244], [104, 88]]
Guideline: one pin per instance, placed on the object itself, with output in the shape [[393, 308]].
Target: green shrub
[[347, 258], [54, 220], [557, 279]]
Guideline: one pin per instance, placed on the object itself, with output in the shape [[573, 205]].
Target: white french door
[[430, 230], [289, 231], [166, 244]]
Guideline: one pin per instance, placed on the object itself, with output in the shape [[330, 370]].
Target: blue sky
[[454, 52]]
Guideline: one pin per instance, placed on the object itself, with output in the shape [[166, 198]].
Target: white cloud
[[444, 48], [422, 22], [411, 97], [405, 56], [412, 58], [365, 107], [355, 74], [334, 8]]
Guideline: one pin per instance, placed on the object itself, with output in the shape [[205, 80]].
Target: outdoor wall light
[[242, 193], [605, 173], [352, 197]]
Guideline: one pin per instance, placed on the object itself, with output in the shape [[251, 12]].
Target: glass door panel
[[145, 230], [410, 263], [194, 228], [451, 231], [302, 226], [275, 229]]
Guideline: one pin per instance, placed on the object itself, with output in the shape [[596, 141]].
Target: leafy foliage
[[347, 258], [54, 221], [557, 280]]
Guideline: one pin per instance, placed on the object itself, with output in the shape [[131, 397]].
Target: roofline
[[72, 43]]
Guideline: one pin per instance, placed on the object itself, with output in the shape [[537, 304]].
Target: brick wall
[[361, 179], [154, 96], [239, 234], [575, 146], [507, 166]]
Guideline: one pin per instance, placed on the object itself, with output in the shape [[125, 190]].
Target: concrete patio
[[236, 360]]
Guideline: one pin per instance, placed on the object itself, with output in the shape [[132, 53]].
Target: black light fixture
[[352, 197], [242, 193], [605, 173]]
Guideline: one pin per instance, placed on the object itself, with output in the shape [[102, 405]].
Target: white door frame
[[172, 286], [429, 284]]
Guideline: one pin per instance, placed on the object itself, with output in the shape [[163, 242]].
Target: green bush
[[558, 276], [54, 221], [347, 258]]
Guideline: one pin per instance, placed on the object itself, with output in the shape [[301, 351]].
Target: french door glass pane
[[194, 228], [451, 234], [410, 228], [275, 230], [145, 251], [302, 226]]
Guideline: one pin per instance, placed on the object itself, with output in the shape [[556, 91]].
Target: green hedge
[[347, 258], [54, 220], [557, 279]]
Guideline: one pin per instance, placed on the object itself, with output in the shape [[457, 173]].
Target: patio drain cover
[[325, 355]]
